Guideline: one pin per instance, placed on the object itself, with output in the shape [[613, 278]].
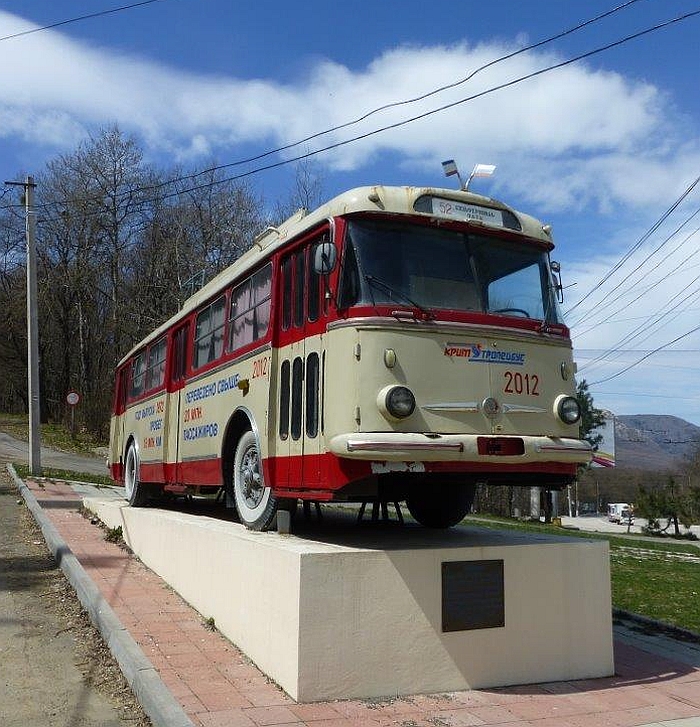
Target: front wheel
[[442, 506], [256, 504]]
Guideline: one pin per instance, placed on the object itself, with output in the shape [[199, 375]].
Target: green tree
[[672, 503], [591, 417]]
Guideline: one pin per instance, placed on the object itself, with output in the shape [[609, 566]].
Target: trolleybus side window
[[312, 388], [155, 373], [287, 293], [284, 399], [209, 333], [349, 278], [138, 376], [313, 286], [297, 389], [299, 288], [180, 353], [250, 309]]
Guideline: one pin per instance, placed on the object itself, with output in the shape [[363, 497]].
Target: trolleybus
[[395, 344]]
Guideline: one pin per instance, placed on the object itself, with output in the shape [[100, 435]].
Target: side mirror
[[555, 267], [325, 258]]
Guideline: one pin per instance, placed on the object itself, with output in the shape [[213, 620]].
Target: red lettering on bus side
[[260, 367]]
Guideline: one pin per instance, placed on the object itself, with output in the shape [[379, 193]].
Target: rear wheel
[[442, 506], [255, 503], [136, 492]]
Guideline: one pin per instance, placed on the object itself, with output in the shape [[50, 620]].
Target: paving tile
[[217, 699], [173, 681], [315, 712], [334, 722], [264, 716], [493, 714], [378, 708], [180, 645], [187, 660], [266, 696], [353, 709], [224, 718], [192, 704], [687, 691], [238, 669], [596, 719], [469, 698]]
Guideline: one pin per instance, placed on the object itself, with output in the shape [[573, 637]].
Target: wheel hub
[[251, 480]]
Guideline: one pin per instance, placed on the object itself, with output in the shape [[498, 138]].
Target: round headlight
[[568, 409], [400, 402]]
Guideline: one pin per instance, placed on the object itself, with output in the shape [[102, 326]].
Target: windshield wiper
[[393, 292]]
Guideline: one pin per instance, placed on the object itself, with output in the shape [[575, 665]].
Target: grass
[[114, 535], [652, 578], [651, 584], [57, 436], [57, 474]]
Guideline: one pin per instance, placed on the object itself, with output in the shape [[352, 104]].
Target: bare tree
[[307, 191]]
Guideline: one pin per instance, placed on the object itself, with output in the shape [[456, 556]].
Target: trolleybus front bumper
[[472, 448]]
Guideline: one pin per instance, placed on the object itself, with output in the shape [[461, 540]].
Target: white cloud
[[573, 140], [606, 136]]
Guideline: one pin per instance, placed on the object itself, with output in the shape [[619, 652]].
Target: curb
[[155, 698], [675, 632]]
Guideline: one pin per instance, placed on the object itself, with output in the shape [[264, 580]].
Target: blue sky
[[600, 148]]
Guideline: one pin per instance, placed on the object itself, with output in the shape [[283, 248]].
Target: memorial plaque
[[472, 595]]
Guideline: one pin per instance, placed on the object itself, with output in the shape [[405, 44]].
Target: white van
[[620, 512]]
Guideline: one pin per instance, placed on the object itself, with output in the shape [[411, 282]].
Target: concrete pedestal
[[340, 611]]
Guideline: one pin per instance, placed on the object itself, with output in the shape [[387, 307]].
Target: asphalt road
[[13, 450], [601, 524]]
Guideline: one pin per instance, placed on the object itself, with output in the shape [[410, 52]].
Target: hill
[[654, 441]]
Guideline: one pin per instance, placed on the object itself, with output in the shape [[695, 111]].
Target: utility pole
[[32, 329]]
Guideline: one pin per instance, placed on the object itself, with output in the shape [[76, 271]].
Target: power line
[[650, 329], [646, 356], [404, 122], [78, 19], [635, 247], [650, 287]]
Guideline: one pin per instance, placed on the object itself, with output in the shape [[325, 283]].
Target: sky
[[605, 149]]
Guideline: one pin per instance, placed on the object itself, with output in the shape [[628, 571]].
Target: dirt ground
[[54, 667]]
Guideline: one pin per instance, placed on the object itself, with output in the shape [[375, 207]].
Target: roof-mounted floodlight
[[480, 170]]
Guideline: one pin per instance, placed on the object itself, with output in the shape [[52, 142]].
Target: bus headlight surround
[[567, 409], [396, 402]]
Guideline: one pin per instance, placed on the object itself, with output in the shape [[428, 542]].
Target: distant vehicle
[[620, 512]]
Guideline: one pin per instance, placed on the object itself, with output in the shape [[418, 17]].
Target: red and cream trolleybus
[[398, 343]]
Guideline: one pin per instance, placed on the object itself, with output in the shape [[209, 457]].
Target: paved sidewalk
[[657, 679]]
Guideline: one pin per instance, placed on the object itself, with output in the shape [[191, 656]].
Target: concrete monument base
[[341, 610]]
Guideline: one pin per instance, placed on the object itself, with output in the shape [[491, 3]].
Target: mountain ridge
[[654, 441]]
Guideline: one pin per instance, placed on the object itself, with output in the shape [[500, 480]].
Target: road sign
[[73, 398]]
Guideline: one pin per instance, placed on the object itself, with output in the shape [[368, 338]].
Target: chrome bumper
[[412, 447]]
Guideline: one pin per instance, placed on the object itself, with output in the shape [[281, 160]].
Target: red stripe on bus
[[318, 476]]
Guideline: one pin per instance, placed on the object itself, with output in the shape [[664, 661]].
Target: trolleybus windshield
[[428, 268]]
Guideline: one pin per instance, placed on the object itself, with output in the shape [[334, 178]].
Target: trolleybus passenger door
[[174, 403], [301, 371]]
